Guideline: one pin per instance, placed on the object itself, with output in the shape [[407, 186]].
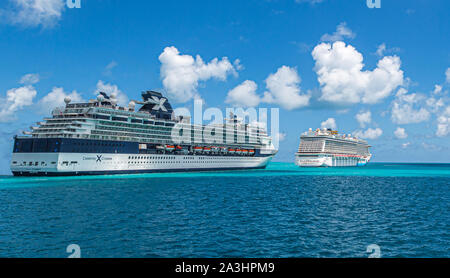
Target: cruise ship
[[100, 137], [328, 148]]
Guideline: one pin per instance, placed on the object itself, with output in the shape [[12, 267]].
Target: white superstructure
[[328, 148]]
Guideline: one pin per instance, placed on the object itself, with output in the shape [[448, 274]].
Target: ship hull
[[330, 161], [76, 164]]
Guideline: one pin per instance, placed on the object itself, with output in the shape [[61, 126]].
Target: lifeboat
[[207, 149], [161, 148], [170, 148], [198, 149], [238, 151], [251, 152], [231, 151], [179, 148], [245, 152]]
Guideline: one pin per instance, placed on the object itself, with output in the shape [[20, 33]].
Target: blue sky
[[315, 60]]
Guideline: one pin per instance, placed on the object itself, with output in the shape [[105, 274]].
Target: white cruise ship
[[100, 137], [328, 148]]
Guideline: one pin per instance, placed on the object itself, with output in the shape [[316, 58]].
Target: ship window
[[120, 119]]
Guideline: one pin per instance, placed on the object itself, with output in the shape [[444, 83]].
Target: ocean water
[[283, 211]]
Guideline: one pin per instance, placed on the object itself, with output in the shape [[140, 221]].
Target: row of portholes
[[188, 158], [182, 162], [150, 157], [31, 163]]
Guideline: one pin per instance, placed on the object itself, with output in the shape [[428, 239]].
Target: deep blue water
[[283, 211]]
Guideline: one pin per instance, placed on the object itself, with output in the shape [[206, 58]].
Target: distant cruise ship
[[100, 137], [327, 148]]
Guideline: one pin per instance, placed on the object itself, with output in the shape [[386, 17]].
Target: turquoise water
[[283, 211], [274, 169]]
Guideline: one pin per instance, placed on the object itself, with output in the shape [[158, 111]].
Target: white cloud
[[15, 100], [56, 99], [369, 133], [342, 31], [400, 133], [30, 79], [343, 81], [283, 88], [281, 136], [431, 147], [109, 68], [404, 109], [435, 104], [405, 145], [329, 123], [443, 127], [181, 74], [237, 66], [447, 75], [244, 95], [34, 13], [302, 46], [437, 89], [342, 111], [382, 50], [364, 118], [109, 89]]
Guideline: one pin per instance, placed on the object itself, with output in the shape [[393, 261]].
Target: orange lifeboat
[[198, 149], [169, 148]]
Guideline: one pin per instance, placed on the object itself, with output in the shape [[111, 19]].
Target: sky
[[382, 74]]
